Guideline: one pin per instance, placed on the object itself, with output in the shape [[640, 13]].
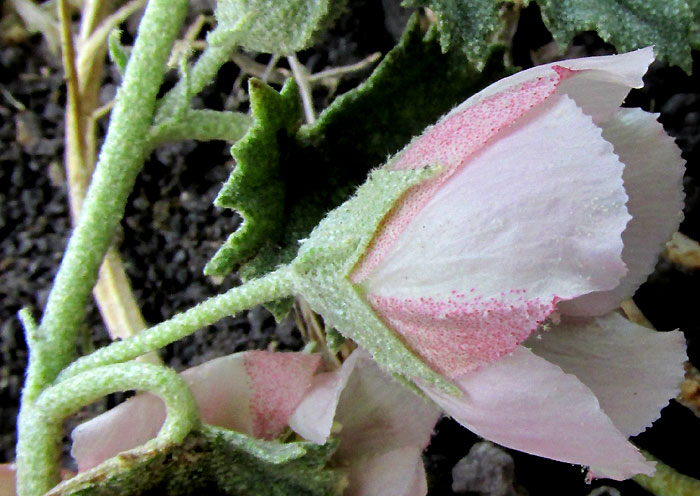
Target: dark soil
[[171, 229]]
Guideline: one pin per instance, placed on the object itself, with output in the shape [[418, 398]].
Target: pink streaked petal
[[473, 260], [461, 333], [633, 371], [122, 428], [225, 393], [451, 143], [378, 414], [399, 472], [313, 418], [526, 403], [653, 178], [7, 479], [598, 86], [279, 382]]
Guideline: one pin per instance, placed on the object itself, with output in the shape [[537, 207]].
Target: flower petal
[[313, 418], [398, 472], [252, 392], [463, 283], [653, 178], [377, 414], [598, 84], [450, 144], [384, 427], [7, 479], [278, 381], [524, 402], [633, 371], [369, 405]]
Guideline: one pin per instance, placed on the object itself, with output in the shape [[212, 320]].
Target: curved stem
[[121, 158], [202, 125], [39, 450], [201, 74], [302, 78], [274, 285], [666, 481]]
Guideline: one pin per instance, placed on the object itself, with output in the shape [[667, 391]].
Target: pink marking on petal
[[459, 334], [564, 72], [450, 144], [279, 382]]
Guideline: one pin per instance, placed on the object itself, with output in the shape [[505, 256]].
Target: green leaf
[[117, 52], [467, 24], [216, 461], [274, 27], [669, 25], [256, 187], [324, 163]]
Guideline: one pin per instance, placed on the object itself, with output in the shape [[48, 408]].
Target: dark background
[[171, 229]]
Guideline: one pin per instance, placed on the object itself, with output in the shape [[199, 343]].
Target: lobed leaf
[[469, 24], [256, 187], [274, 27], [215, 460], [669, 25], [320, 165]]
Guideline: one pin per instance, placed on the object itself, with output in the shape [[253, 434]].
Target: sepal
[[326, 259]]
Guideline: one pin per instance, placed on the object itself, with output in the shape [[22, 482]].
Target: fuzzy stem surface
[[38, 469], [201, 74], [272, 286], [121, 159]]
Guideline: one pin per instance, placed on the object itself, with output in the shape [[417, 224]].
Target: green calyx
[[326, 259]]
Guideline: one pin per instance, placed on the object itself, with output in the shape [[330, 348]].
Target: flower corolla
[[262, 393], [501, 271]]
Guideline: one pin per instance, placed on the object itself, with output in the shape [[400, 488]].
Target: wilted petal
[[278, 382], [598, 84], [463, 283], [384, 427], [120, 429], [524, 402], [377, 414], [653, 178], [313, 418], [369, 405], [633, 371], [7, 479], [398, 472], [252, 392]]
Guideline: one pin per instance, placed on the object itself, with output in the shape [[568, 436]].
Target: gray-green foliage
[[256, 187], [468, 24], [212, 460], [320, 165], [118, 53], [271, 26], [670, 25]]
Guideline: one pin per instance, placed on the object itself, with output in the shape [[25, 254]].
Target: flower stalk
[[274, 285], [121, 159], [39, 449]]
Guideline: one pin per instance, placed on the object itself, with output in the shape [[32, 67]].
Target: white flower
[[551, 202]]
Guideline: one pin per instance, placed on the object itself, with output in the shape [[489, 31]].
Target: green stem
[[121, 158], [201, 74], [39, 449], [201, 125], [666, 481], [274, 285]]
